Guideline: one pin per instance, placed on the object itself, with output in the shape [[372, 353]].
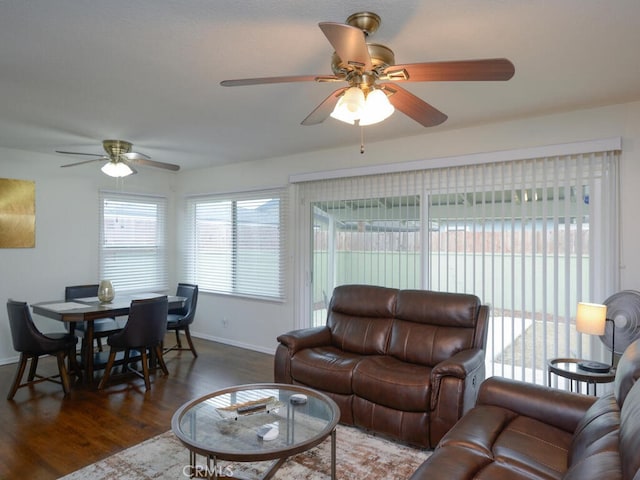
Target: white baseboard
[[233, 343], [226, 341], [9, 360]]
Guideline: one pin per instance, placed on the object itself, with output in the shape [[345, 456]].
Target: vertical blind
[[236, 243], [133, 241], [530, 237]]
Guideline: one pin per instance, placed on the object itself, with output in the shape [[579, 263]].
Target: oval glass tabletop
[[256, 422]]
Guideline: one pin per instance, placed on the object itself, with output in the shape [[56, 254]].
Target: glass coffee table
[[254, 423]]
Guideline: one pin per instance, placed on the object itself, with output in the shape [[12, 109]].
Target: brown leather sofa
[[403, 363], [522, 431]]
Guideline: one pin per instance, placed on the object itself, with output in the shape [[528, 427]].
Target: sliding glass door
[[525, 236], [375, 241]]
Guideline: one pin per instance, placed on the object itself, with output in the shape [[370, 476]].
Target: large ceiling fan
[[373, 78], [120, 159]]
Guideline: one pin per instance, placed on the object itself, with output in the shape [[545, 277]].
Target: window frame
[[197, 271], [146, 276]]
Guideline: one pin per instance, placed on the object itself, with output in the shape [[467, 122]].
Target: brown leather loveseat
[[523, 431], [403, 363]]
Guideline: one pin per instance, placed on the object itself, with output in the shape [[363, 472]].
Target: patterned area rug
[[359, 456]]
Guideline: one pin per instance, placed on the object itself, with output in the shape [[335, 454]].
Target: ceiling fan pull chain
[[362, 140]]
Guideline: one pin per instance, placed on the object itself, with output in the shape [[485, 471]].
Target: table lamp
[[591, 318]]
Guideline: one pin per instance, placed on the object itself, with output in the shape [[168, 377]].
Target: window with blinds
[[133, 241], [236, 243], [530, 237]]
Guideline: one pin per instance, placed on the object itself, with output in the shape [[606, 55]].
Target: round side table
[[568, 368]]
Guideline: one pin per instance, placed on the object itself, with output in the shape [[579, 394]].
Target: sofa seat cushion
[[388, 381], [460, 463], [325, 368], [491, 442]]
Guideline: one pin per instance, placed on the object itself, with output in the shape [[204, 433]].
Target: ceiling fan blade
[[463, 70], [101, 159], [79, 153], [152, 163], [136, 156], [322, 111], [413, 107], [349, 43], [265, 80]]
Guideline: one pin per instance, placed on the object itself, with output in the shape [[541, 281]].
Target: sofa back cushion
[[630, 434], [627, 372], [608, 436], [360, 318], [597, 431], [431, 327]]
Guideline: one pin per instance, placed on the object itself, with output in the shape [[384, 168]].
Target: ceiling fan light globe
[[116, 169], [350, 106], [376, 108], [343, 116]]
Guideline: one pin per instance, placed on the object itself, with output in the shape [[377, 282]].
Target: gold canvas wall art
[[17, 213]]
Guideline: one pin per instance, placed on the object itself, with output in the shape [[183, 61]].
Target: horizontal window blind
[[236, 243], [133, 241]]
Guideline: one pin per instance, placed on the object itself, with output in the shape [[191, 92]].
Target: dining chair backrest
[[146, 326], [188, 309], [25, 335], [80, 291], [31, 343]]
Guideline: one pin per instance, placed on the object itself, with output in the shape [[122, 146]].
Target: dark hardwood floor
[[45, 435]]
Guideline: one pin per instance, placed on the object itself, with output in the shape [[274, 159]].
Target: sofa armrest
[[454, 388], [555, 407], [296, 340], [461, 365]]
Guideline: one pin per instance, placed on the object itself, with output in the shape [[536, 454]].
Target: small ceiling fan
[[369, 68], [120, 159]]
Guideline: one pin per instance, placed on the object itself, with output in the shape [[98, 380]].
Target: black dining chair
[[143, 333], [102, 327], [180, 319], [32, 344]]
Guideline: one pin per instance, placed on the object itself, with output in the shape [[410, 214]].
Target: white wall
[[67, 209], [252, 323], [66, 251]]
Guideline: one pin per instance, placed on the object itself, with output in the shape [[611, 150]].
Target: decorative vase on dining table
[[105, 291]]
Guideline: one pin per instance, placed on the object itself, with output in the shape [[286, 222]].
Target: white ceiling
[[74, 72]]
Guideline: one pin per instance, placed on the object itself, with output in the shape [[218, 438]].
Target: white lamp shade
[[591, 318], [350, 106], [116, 169], [376, 108]]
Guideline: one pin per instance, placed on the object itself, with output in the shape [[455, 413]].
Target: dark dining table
[[90, 309]]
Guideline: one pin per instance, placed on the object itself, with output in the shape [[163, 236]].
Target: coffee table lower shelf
[[214, 471]]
